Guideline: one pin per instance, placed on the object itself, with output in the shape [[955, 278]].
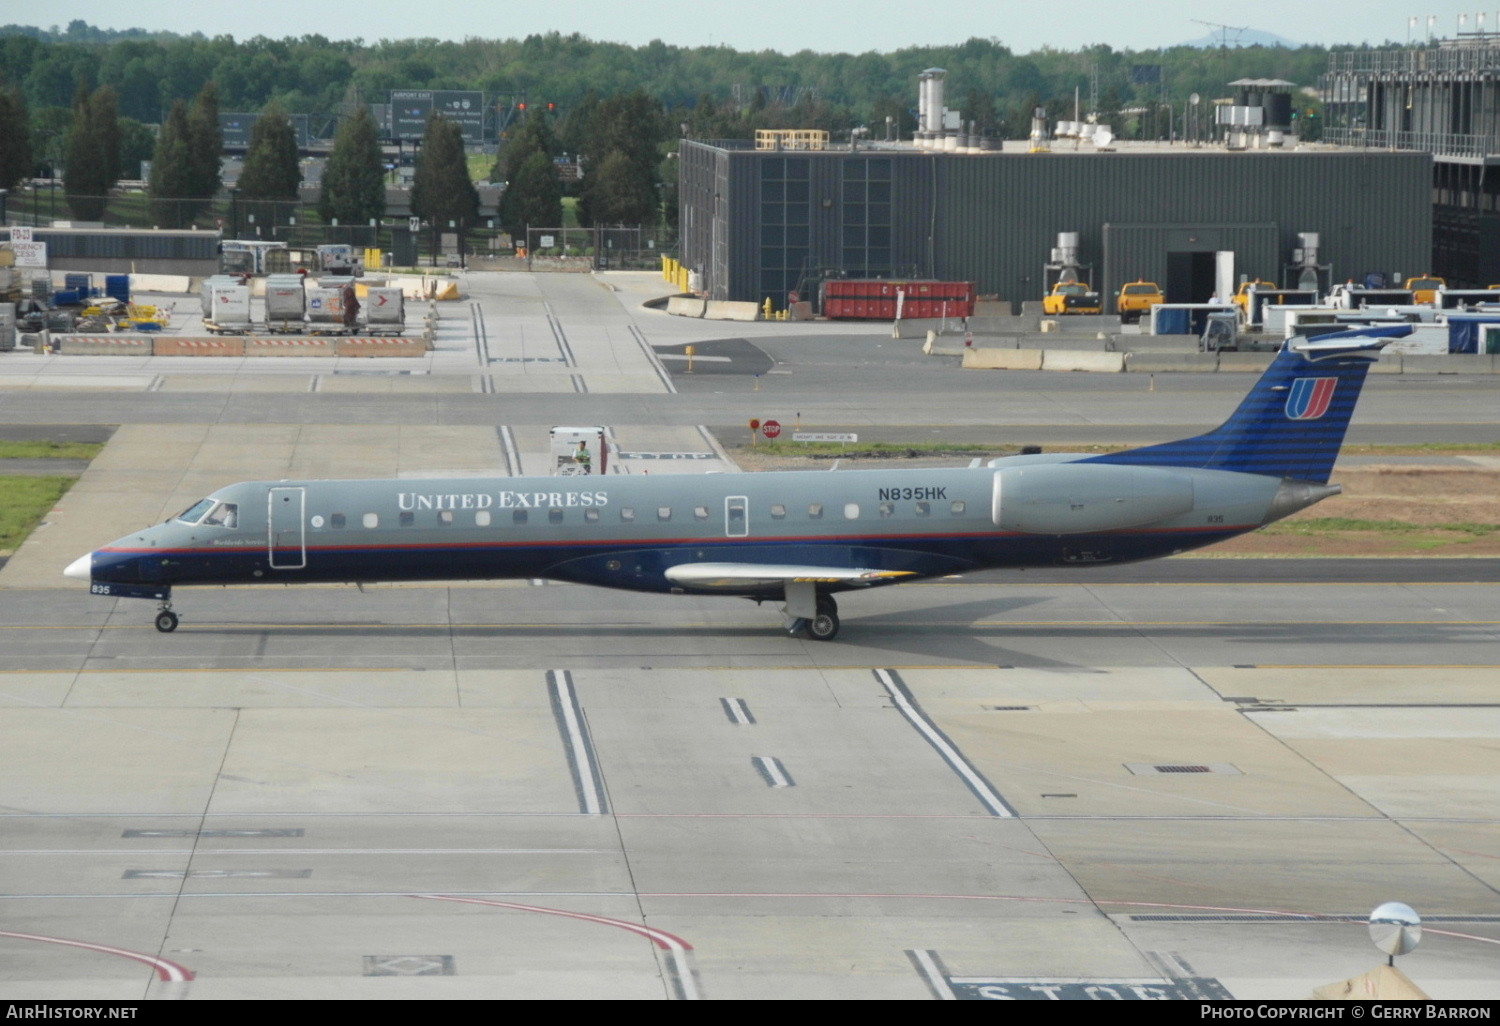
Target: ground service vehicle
[[1424, 289], [1137, 299], [1241, 297], [1072, 297]]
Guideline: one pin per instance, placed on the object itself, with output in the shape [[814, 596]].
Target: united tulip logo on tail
[[1309, 398]]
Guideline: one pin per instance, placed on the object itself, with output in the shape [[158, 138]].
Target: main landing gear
[[822, 626]]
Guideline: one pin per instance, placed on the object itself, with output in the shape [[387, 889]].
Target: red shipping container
[[877, 299]]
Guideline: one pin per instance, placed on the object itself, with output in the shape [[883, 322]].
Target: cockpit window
[[225, 514], [195, 512]]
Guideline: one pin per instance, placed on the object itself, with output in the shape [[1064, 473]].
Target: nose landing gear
[[166, 620]]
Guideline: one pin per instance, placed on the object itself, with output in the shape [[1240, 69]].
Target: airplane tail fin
[[1292, 423]]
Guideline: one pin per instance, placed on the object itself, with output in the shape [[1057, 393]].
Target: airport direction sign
[[824, 436], [410, 109]]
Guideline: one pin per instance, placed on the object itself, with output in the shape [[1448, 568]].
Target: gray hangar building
[[759, 223]]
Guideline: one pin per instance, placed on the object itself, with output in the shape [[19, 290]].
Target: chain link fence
[[42, 202]]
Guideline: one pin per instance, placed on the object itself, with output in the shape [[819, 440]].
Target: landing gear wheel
[[823, 627], [166, 621]]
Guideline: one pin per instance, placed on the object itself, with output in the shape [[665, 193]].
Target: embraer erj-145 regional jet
[[797, 538]]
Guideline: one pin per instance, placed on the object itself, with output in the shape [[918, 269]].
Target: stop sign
[[770, 428]]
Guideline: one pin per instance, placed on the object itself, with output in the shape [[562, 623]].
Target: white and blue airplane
[[797, 538]]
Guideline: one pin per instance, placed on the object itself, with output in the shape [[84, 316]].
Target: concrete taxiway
[[1106, 784]]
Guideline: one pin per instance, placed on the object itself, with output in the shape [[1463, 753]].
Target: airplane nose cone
[[81, 569]]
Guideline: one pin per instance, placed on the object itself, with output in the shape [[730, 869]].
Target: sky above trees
[[832, 26]]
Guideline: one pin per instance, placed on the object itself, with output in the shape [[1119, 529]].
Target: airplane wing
[[742, 576]]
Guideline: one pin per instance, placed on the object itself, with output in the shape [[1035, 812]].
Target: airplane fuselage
[[800, 537], [628, 532]]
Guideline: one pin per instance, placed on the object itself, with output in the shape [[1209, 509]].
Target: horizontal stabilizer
[[742, 576]]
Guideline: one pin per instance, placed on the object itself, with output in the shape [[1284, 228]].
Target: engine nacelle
[[1079, 498]]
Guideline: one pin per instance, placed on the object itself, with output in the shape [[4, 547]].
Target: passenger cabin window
[[887, 510], [924, 509], [778, 511], [518, 516], [408, 518], [337, 521], [591, 516], [627, 514], [851, 511], [445, 517], [195, 512], [482, 518], [957, 507], [664, 512], [554, 516], [815, 511], [371, 520], [700, 512]]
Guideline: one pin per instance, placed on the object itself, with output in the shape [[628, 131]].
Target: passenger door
[[286, 528]]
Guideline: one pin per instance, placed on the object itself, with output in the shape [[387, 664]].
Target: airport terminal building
[[771, 222]]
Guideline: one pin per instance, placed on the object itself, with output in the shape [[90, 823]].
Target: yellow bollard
[[766, 309]]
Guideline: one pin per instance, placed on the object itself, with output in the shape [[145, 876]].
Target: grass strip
[[44, 450], [1336, 525], [24, 501]]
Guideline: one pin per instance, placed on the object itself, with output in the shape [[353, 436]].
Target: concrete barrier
[[160, 283], [1252, 362], [1451, 363], [725, 310], [1079, 360], [103, 345], [685, 306], [1389, 363], [918, 327], [1159, 363], [1003, 359], [283, 345], [802, 311], [171, 345], [1002, 325], [387, 346]]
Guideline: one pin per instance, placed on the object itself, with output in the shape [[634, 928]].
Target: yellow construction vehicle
[[1424, 289], [1136, 300], [1072, 297]]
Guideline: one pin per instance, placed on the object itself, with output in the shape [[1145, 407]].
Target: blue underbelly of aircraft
[[640, 567]]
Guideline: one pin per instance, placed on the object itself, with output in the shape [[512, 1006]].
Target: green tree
[[271, 171], [271, 175], [621, 157], [354, 181], [533, 194], [619, 194], [172, 172], [136, 145], [16, 162], [533, 198], [533, 135], [205, 142], [93, 154], [441, 190]]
